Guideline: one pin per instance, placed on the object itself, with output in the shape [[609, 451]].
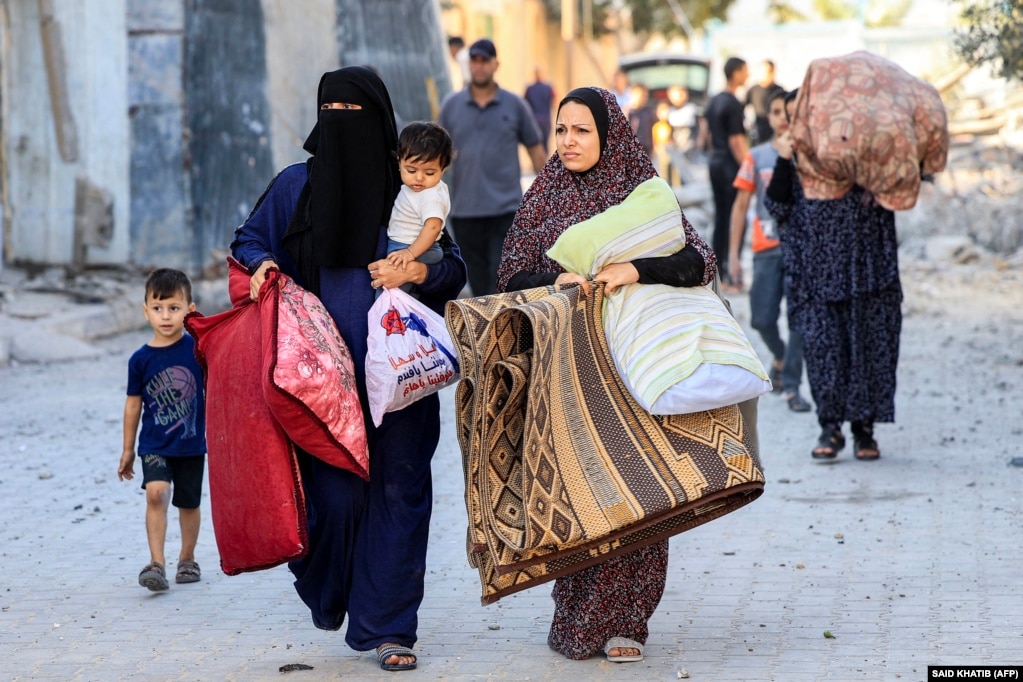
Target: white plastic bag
[[409, 353]]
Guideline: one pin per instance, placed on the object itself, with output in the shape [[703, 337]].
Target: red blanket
[[277, 374], [309, 376], [861, 119], [256, 497]]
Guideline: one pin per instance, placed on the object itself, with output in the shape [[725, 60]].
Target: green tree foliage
[[835, 10], [651, 15], [657, 15], [992, 34], [781, 12], [873, 13], [881, 14]]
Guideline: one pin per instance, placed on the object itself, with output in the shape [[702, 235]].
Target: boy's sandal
[[188, 572], [831, 441], [153, 577], [388, 650], [866, 447]]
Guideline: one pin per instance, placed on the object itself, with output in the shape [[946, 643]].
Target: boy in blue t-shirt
[[165, 394]]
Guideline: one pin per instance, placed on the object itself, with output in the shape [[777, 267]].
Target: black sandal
[[153, 577], [386, 651], [830, 442], [863, 439]]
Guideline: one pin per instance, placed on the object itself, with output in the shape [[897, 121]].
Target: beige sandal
[[623, 643]]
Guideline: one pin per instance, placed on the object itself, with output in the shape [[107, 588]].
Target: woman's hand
[[572, 278], [384, 274], [784, 145], [258, 277], [616, 275]]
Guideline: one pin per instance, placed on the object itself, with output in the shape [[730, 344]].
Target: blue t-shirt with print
[[169, 380]]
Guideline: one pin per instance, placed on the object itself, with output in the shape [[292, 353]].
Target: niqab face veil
[[353, 175]]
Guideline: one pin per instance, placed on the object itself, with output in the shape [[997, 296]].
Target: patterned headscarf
[[560, 198]]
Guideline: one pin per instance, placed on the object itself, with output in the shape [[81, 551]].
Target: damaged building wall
[[181, 112], [161, 230], [300, 47], [43, 169], [404, 41], [228, 117]]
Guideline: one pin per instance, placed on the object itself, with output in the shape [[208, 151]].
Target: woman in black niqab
[[324, 223], [351, 185]]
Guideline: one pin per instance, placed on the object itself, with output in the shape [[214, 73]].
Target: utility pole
[[56, 78], [568, 22]]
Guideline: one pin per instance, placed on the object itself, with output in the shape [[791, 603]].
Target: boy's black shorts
[[183, 473]]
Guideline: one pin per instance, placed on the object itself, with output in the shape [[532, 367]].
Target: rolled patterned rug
[[563, 469]]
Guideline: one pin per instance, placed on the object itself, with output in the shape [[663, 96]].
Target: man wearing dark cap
[[487, 124]]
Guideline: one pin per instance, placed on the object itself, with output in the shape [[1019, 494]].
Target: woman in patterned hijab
[[600, 161], [564, 193]]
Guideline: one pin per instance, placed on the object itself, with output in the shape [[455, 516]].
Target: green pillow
[[647, 224]]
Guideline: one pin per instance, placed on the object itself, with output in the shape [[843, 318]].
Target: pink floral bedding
[[861, 119]]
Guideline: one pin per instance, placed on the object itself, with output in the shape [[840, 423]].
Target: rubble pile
[[979, 195]]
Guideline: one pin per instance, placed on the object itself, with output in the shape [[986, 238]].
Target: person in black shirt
[[724, 117], [642, 116], [759, 95]]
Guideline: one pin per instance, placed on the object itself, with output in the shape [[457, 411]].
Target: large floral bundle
[[861, 119]]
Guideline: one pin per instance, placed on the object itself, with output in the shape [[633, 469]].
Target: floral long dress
[[845, 298]]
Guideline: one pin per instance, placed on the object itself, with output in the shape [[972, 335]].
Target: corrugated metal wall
[[228, 117], [403, 40], [160, 225]]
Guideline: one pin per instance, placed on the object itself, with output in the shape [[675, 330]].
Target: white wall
[[300, 47], [925, 53], [920, 44], [39, 209]]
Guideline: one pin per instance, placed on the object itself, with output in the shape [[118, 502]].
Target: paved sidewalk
[[908, 561]]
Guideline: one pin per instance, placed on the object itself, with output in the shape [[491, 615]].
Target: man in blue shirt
[[487, 124], [540, 98]]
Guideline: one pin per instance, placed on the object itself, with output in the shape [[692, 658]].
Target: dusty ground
[[909, 561]]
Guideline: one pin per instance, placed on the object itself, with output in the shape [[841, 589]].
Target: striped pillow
[[677, 349]]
